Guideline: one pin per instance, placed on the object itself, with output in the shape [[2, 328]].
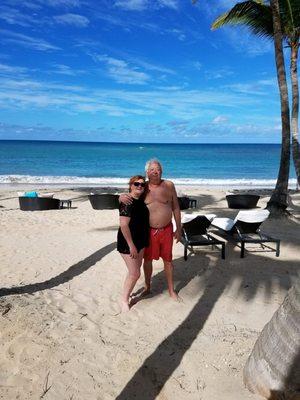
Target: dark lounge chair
[[104, 201], [245, 228], [38, 203], [186, 202], [242, 201], [194, 233]]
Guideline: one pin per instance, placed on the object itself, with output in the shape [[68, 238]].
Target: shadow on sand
[[66, 276], [150, 378]]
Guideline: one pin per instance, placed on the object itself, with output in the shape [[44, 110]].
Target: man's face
[[154, 171]]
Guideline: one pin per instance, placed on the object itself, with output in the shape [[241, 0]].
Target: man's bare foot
[[175, 297], [124, 306]]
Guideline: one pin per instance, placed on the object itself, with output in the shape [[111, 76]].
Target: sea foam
[[115, 181]]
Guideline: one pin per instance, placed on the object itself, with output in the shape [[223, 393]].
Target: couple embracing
[[146, 230]]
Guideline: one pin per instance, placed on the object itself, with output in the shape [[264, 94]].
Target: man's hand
[[177, 235], [125, 198]]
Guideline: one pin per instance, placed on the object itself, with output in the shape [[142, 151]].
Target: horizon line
[[107, 142]]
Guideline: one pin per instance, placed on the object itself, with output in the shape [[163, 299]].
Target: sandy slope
[[61, 333]]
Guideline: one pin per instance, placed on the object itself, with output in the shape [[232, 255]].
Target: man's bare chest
[[159, 195]]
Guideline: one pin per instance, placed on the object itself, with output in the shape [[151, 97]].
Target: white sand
[[62, 336]]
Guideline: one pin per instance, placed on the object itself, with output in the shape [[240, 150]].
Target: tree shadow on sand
[[216, 277], [65, 276]]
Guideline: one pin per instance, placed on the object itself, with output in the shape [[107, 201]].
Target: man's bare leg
[[148, 268], [169, 275]]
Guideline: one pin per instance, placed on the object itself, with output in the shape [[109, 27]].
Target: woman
[[133, 235]]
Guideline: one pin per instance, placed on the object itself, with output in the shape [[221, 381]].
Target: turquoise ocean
[[110, 164]]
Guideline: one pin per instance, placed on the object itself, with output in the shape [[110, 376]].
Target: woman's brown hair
[[135, 178]]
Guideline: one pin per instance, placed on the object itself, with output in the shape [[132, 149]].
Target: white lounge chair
[[194, 233], [245, 228]]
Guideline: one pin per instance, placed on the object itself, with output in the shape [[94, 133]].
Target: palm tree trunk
[[273, 368], [278, 201], [295, 110]]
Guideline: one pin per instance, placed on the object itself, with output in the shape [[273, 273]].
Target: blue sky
[[133, 71]]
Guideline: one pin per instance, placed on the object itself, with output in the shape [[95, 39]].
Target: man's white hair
[[152, 161]]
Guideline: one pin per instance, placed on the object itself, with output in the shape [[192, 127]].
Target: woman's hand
[[133, 251]]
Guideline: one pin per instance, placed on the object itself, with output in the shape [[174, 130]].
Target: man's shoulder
[[168, 183]]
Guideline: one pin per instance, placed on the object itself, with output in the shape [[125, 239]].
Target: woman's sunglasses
[[137, 184]]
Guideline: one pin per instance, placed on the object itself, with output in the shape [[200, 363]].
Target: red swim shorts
[[160, 244]]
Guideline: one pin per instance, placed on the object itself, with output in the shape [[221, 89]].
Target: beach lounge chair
[[104, 201], [38, 203], [194, 233], [245, 228], [242, 200]]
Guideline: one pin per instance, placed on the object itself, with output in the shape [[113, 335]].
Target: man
[[161, 200]]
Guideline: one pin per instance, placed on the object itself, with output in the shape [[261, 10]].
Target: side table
[[67, 203], [193, 203]]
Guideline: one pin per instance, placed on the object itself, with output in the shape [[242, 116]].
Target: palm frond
[[254, 14], [290, 18]]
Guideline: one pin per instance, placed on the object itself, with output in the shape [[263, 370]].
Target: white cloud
[[243, 41], [177, 103], [141, 5], [31, 5], [13, 16], [220, 119], [261, 87], [132, 67], [178, 33], [72, 19], [147, 132], [197, 65], [61, 3], [9, 69], [152, 67], [66, 70], [132, 5], [169, 3], [218, 73], [121, 72], [26, 41]]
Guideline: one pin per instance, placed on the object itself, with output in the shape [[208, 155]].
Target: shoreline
[[11, 182], [8, 187]]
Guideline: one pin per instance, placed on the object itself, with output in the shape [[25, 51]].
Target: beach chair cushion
[[189, 217], [30, 194], [226, 224], [252, 217], [46, 195]]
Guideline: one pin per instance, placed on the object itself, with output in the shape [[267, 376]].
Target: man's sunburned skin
[[159, 201]]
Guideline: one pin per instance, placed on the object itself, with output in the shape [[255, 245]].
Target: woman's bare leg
[[134, 271]]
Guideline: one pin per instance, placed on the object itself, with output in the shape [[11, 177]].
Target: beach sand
[[62, 334]]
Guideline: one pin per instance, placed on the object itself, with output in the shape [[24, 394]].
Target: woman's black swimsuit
[[138, 225]]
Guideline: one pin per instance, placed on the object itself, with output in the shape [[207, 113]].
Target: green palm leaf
[[257, 16], [254, 14]]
